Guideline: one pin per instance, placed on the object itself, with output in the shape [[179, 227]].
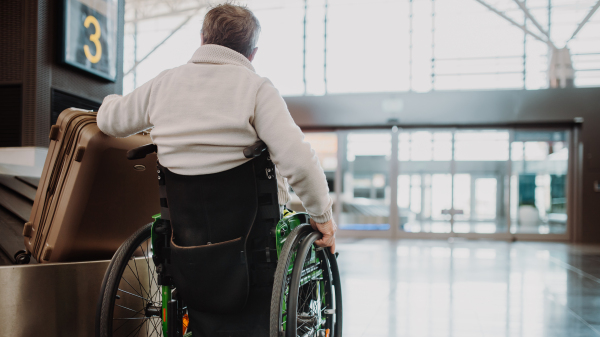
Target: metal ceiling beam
[[525, 10], [151, 9], [171, 13], [522, 27], [585, 20], [163, 41]]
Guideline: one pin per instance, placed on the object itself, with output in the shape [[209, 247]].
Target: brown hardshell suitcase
[[90, 198]]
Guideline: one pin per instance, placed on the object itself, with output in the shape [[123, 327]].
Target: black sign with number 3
[[90, 36]]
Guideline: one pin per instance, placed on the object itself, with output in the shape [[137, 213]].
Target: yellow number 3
[[94, 38]]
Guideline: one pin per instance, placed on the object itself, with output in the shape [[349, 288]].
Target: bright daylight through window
[[316, 47]]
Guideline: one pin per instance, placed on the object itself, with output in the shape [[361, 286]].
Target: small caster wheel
[[22, 257]]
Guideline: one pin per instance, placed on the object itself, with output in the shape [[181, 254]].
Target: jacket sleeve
[[283, 194], [294, 158], [122, 116]]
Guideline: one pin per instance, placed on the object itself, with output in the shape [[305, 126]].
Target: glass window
[[416, 188], [365, 187], [369, 144], [490, 56], [442, 146], [367, 46], [539, 182], [175, 51], [374, 46], [325, 145], [485, 202], [280, 46], [425, 146], [421, 146], [481, 145], [404, 184], [441, 201], [462, 196]]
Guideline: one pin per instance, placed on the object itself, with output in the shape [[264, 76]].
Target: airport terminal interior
[[459, 140]]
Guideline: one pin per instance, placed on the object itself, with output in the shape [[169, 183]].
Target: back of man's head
[[231, 26]]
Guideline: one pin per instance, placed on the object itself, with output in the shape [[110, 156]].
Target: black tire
[[306, 313], [138, 309], [101, 295], [328, 286], [281, 277], [292, 308], [337, 283]]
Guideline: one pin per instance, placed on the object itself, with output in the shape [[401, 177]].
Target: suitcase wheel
[[22, 257]]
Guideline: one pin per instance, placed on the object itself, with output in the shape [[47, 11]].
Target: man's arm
[[122, 116], [294, 158], [282, 189]]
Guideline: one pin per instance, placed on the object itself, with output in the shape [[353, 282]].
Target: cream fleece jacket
[[203, 115]]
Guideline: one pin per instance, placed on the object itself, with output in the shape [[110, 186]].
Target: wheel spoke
[[138, 275], [150, 273], [136, 312], [150, 301], [154, 328], [138, 279], [132, 287], [309, 312]]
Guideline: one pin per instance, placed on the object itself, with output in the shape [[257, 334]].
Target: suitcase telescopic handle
[[141, 152], [255, 149]]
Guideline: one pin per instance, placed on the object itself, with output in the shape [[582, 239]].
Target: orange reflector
[[186, 322], [165, 315], [326, 332]]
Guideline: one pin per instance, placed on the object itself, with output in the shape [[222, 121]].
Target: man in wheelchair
[[239, 263]]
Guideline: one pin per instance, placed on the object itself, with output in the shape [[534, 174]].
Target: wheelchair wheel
[[306, 298], [130, 304]]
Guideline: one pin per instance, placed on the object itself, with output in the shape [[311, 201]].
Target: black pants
[[210, 209], [252, 321]]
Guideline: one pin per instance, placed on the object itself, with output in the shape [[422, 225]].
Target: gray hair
[[231, 26]]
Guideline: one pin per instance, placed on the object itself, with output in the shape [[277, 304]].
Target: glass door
[[425, 181], [480, 171], [482, 182], [540, 163], [488, 183]]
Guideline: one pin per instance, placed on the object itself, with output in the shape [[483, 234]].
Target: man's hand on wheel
[[328, 230]]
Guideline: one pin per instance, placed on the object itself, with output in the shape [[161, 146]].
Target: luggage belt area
[[16, 201], [20, 171]]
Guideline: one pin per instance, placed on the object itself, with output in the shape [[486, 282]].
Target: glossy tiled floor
[[469, 288]]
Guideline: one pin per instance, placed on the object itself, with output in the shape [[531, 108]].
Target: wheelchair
[[139, 296]]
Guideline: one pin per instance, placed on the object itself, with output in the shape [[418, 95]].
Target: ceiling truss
[[533, 20], [143, 10]]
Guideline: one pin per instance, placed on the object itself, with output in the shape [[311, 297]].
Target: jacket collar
[[216, 54]]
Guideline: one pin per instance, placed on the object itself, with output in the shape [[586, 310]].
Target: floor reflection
[[469, 288]]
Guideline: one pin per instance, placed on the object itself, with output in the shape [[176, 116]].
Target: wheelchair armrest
[[255, 149], [141, 152]]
